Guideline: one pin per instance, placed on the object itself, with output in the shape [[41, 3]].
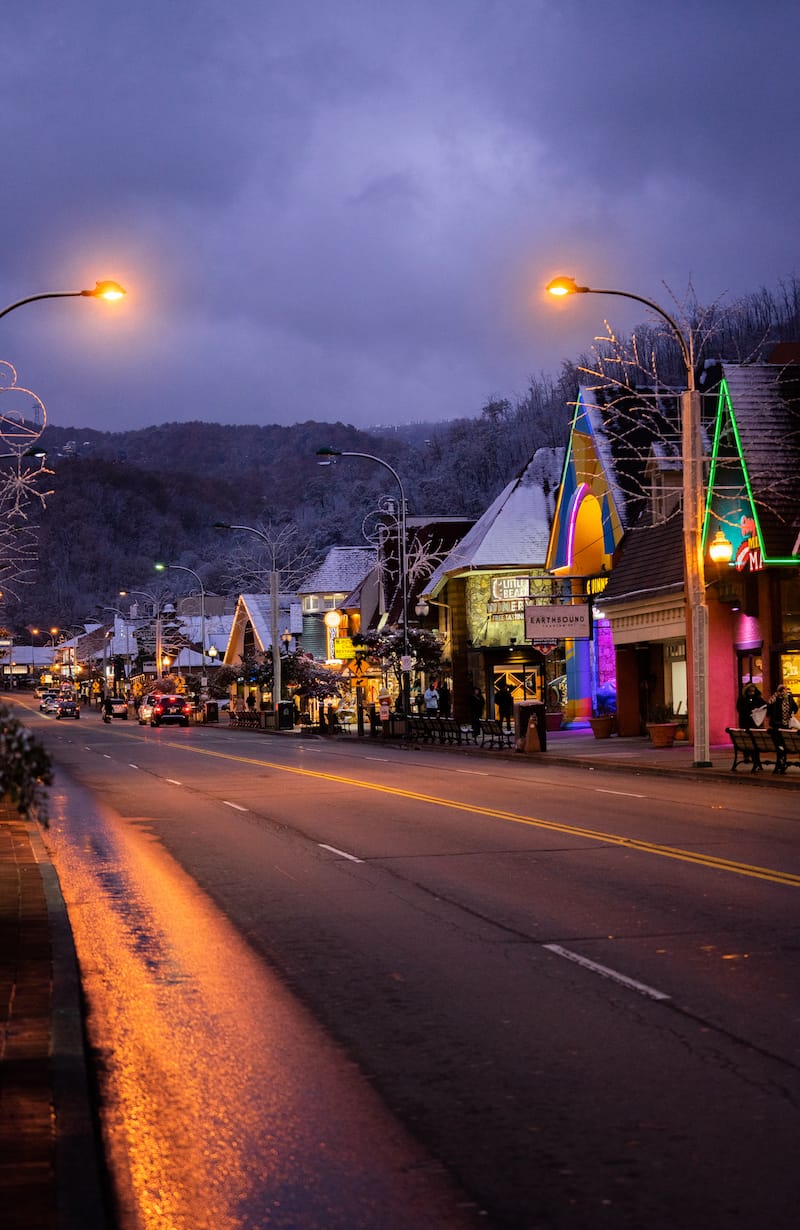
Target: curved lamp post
[[183, 568], [274, 596], [159, 606], [693, 488], [405, 664], [102, 290]]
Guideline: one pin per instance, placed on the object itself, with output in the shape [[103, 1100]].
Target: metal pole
[[274, 594], [401, 559], [693, 495]]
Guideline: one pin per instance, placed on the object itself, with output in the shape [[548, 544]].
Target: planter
[[662, 734], [553, 720], [602, 727]]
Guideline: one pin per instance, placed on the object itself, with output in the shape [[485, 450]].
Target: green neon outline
[[726, 404]]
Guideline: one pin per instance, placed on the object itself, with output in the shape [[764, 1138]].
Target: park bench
[[764, 742], [742, 746], [420, 729], [493, 733], [791, 742], [450, 731]]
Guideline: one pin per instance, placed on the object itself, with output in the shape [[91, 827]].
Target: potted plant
[[662, 725], [604, 719]]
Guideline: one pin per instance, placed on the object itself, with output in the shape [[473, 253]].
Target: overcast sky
[[347, 210]]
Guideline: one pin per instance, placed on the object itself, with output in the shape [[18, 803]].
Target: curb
[[80, 1185]]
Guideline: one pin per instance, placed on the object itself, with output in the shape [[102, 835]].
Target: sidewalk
[[50, 1173], [49, 1170]]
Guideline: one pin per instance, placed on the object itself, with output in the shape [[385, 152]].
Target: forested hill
[[123, 500]]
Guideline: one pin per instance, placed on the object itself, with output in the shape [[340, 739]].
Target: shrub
[[25, 768]]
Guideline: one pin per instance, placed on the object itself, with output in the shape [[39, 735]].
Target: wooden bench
[[791, 745], [420, 729], [746, 743], [493, 733], [449, 730]]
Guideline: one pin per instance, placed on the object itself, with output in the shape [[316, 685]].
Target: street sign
[[566, 622]]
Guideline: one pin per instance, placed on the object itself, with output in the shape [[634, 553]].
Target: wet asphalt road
[[581, 998]]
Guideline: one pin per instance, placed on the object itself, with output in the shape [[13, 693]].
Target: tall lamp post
[[126, 622], [693, 493], [159, 606], [274, 597], [183, 568], [405, 662]]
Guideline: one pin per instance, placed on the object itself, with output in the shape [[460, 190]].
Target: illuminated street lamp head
[[721, 549], [566, 286], [106, 290]]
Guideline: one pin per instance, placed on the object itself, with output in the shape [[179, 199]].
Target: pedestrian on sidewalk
[[751, 710], [475, 707]]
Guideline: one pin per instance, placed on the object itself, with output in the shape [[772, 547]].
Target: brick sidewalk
[[49, 1171]]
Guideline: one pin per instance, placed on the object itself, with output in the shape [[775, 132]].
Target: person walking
[[781, 708], [504, 701], [475, 707], [751, 710], [107, 708], [431, 698]]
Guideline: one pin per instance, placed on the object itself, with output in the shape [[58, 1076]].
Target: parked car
[[119, 707], [67, 706], [159, 710], [48, 702]]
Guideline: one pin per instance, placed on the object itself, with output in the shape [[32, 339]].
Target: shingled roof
[[648, 562], [765, 398]]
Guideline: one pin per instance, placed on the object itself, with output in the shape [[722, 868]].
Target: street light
[[693, 490], [117, 611], [274, 602], [405, 662], [159, 606], [183, 568], [102, 290]]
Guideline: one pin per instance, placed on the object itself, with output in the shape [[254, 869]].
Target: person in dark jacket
[[749, 703], [505, 703], [781, 708], [475, 707]]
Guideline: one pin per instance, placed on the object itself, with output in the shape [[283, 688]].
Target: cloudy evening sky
[[347, 210]]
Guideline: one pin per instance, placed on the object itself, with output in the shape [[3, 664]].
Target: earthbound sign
[[544, 623]]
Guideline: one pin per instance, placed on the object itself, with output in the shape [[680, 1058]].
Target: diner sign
[[560, 621]]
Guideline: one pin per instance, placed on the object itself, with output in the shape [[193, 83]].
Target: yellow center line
[[787, 878]]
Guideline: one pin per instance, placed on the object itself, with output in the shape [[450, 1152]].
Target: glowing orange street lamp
[[102, 290], [693, 495]]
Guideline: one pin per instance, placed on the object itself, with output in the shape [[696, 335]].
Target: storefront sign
[[564, 622], [506, 588], [343, 647]]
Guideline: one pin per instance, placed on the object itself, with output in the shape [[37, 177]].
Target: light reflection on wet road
[[225, 1104]]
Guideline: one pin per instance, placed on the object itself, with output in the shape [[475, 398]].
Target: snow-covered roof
[[515, 529], [341, 571], [257, 608]]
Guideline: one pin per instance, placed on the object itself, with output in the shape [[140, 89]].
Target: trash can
[[527, 713], [211, 711], [285, 714]]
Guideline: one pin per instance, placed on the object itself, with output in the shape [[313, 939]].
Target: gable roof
[[341, 571], [756, 456], [648, 562], [615, 436], [515, 529]]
